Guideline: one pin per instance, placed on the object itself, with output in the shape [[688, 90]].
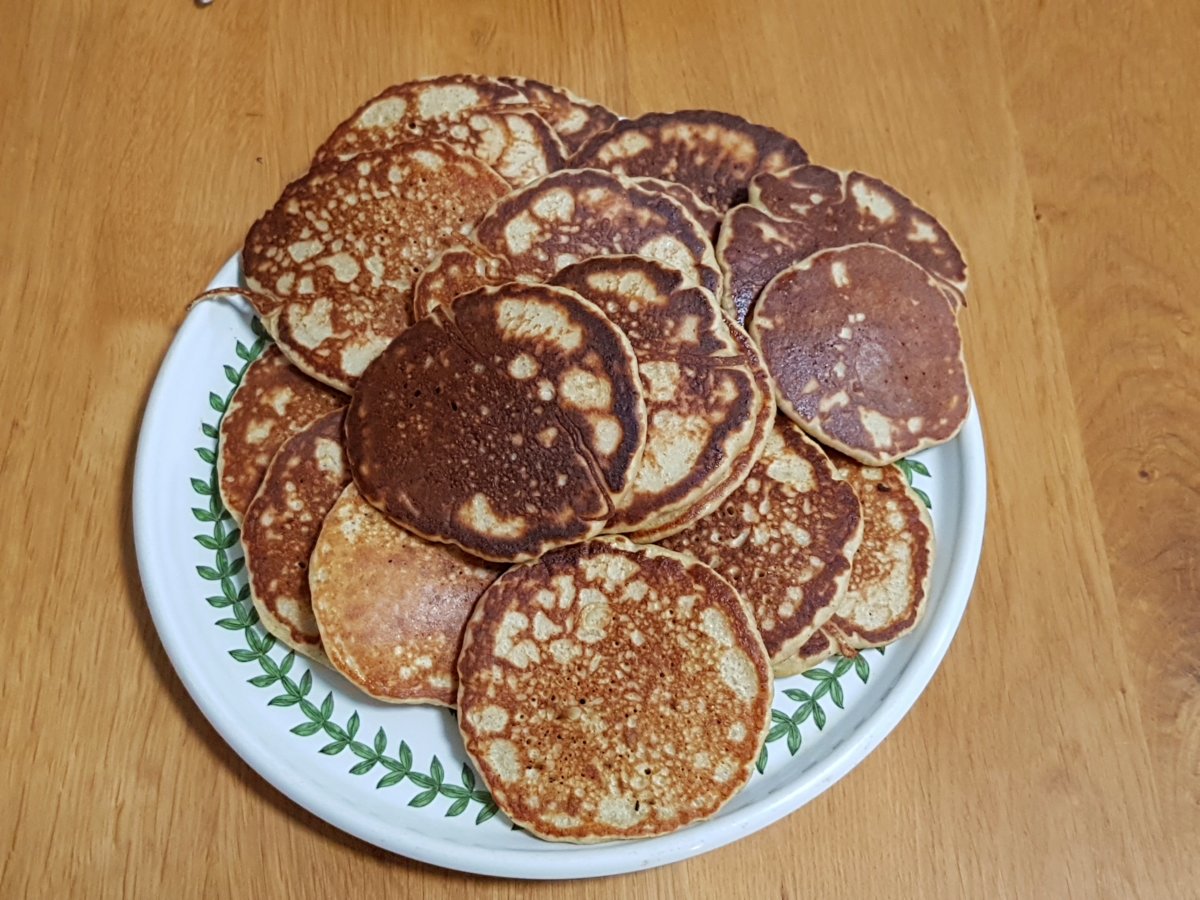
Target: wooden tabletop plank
[[1057, 751]]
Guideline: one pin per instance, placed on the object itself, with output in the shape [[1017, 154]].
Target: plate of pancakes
[[546, 493]]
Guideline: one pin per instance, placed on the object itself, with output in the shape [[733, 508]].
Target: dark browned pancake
[[478, 116], [785, 539], [702, 400], [302, 483], [793, 214], [713, 153], [815, 651], [335, 259], [611, 691], [865, 352], [573, 118], [458, 270], [507, 423], [707, 216], [576, 214], [273, 402], [889, 581], [392, 607], [662, 526]]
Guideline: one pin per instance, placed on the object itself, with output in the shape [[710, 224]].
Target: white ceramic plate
[[396, 776]]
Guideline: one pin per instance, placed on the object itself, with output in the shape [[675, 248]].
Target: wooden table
[[1056, 753]]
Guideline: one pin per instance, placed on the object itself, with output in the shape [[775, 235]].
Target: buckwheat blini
[[508, 422], [715, 154], [612, 691], [793, 214], [273, 401], [391, 606], [334, 261], [281, 525], [889, 581], [785, 539], [476, 115], [865, 352], [702, 399]]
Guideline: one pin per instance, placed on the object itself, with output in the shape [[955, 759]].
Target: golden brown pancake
[[576, 214], [865, 352], [793, 214], [713, 153], [815, 651], [507, 423], [302, 483], [707, 216], [785, 539], [392, 607], [478, 116], [573, 118], [458, 270], [660, 527], [889, 580], [273, 402], [335, 259], [702, 399], [611, 691]]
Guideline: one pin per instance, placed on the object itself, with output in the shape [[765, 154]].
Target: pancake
[[709, 218], [273, 402], [392, 607], [335, 259], [794, 214], [865, 352], [702, 399], [713, 153], [854, 208], [889, 580], [577, 214], [301, 484], [458, 270], [480, 117], [815, 651], [785, 539], [507, 423], [573, 119], [611, 691], [662, 526]]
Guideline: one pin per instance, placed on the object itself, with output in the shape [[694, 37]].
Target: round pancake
[[660, 527], [865, 352], [507, 423], [458, 270], [785, 539], [889, 580], [335, 259], [702, 399], [611, 691], [480, 117], [392, 607], [853, 208], [793, 214], [707, 216], [301, 484], [815, 651], [713, 153], [573, 119], [576, 214], [273, 402]]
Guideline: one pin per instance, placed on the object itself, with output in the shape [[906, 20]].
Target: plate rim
[[940, 626]]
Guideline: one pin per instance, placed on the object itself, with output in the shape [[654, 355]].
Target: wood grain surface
[[1057, 751]]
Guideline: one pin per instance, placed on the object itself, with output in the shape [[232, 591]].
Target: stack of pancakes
[[582, 425]]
